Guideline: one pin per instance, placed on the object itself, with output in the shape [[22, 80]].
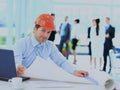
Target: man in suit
[[108, 44], [65, 31]]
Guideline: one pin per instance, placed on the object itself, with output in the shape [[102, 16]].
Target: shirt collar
[[107, 26], [34, 41], [65, 22]]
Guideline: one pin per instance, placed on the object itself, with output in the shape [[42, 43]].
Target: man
[[52, 35], [108, 44], [37, 45], [65, 31]]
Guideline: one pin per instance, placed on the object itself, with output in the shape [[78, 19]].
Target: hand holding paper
[[46, 69], [20, 70], [80, 73]]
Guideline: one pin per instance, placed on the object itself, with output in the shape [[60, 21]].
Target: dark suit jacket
[[108, 41], [88, 36], [67, 31], [89, 29], [52, 36]]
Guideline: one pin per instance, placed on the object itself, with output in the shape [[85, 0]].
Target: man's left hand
[[80, 73], [67, 41]]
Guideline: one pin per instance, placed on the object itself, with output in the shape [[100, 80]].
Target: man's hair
[[37, 26], [52, 14], [97, 20], [66, 16], [107, 18], [77, 20]]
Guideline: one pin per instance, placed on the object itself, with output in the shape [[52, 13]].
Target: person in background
[[95, 35], [108, 44], [52, 35], [65, 31], [75, 36], [89, 45], [28, 48]]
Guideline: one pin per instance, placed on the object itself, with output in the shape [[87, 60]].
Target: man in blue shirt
[[28, 48], [65, 31]]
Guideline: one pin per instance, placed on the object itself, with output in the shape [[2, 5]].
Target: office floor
[[83, 61]]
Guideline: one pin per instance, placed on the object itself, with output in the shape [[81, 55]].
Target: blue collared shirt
[[28, 48], [62, 30], [107, 26]]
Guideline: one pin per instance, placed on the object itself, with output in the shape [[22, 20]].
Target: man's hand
[[80, 73], [67, 41], [107, 35], [20, 70]]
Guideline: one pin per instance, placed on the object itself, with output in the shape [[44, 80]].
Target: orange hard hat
[[46, 21]]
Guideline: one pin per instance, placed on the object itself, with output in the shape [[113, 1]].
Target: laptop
[[7, 65]]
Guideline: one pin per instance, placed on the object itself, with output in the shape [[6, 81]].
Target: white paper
[[47, 84], [46, 69], [102, 79]]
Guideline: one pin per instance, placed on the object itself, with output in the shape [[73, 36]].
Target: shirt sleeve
[[61, 61], [18, 48]]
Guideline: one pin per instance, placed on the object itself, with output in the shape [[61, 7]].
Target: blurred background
[[17, 16]]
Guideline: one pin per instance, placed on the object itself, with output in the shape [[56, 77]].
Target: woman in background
[[75, 36], [96, 41]]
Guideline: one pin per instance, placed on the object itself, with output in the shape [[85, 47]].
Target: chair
[[115, 64]]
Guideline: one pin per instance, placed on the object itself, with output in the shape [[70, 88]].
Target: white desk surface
[[73, 86]]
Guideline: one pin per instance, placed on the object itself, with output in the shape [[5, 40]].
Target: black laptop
[[7, 65]]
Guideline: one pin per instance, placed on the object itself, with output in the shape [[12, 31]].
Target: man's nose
[[45, 34]]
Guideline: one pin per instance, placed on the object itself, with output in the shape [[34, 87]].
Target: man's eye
[[48, 32], [43, 30]]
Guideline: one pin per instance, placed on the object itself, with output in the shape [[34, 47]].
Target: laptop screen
[[7, 64]]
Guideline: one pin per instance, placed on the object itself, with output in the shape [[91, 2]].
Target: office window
[[22, 14]]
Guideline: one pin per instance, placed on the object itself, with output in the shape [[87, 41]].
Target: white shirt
[[75, 32]]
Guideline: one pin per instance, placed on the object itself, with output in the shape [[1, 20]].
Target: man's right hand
[[20, 70], [67, 41], [107, 35]]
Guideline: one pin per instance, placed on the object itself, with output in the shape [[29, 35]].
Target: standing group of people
[[66, 33], [100, 42]]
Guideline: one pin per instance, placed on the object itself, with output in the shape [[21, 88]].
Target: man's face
[[41, 34], [107, 21], [66, 18]]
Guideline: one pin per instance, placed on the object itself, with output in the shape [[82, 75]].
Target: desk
[[6, 86]]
